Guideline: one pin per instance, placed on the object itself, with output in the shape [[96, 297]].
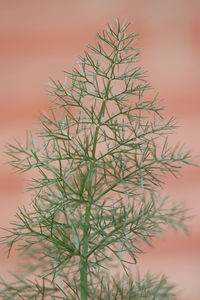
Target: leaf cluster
[[99, 159]]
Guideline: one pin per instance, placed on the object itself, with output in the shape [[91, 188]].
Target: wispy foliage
[[101, 156]]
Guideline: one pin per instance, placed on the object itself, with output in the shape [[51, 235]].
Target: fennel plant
[[99, 161]]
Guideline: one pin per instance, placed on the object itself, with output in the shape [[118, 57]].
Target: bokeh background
[[40, 38]]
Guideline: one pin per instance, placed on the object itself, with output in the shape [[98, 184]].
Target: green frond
[[99, 159]]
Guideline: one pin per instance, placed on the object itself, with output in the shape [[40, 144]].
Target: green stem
[[84, 256], [86, 230], [86, 233]]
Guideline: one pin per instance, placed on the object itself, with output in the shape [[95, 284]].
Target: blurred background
[[39, 39]]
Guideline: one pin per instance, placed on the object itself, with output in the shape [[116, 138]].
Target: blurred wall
[[39, 39]]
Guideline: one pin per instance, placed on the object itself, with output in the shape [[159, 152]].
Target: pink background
[[39, 39]]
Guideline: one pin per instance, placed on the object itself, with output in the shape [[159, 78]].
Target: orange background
[[39, 39]]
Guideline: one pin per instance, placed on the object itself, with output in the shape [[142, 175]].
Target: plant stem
[[84, 258], [86, 232]]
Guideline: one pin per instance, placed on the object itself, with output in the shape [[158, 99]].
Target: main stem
[[86, 234], [84, 255], [86, 230]]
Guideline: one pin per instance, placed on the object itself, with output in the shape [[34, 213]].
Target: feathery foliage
[[100, 159]]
